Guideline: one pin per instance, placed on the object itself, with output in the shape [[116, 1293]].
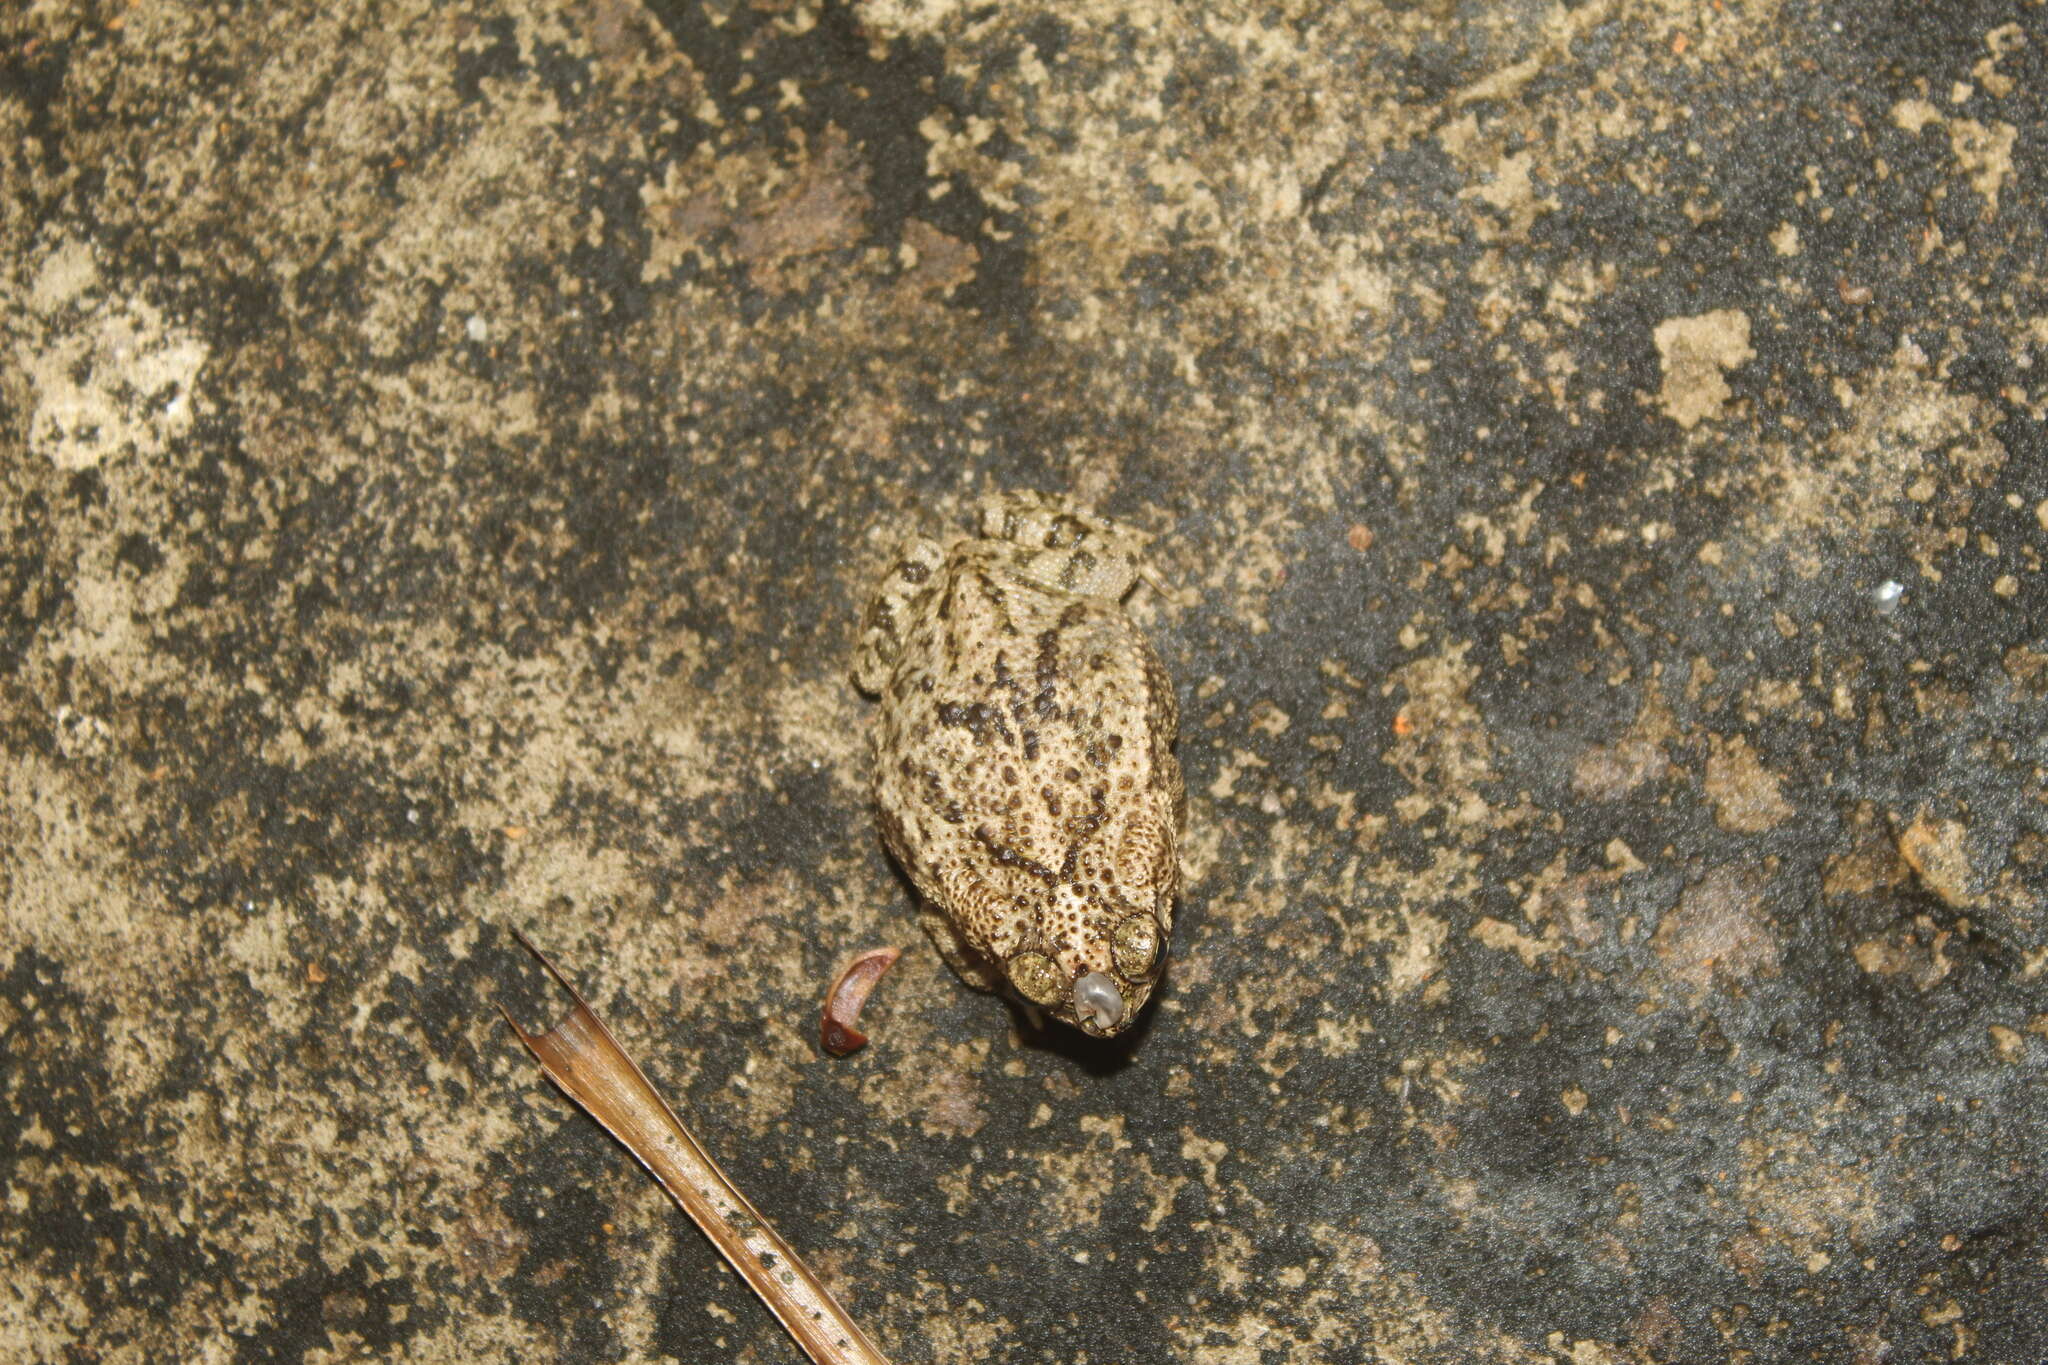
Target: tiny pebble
[[1886, 595]]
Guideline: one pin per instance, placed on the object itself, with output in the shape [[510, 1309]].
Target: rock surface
[[1598, 461]]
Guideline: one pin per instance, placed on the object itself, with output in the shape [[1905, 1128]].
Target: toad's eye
[[1035, 978], [1097, 1001], [1135, 945]]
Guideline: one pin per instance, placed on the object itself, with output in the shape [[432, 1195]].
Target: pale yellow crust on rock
[[1023, 767]]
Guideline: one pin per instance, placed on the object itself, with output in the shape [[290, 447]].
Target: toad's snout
[[1097, 1001]]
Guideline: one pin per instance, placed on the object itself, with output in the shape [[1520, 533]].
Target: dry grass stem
[[581, 1056]]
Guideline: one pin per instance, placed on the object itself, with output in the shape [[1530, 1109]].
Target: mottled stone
[[444, 454]]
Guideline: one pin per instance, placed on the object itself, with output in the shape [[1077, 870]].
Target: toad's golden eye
[[1135, 945], [1035, 978]]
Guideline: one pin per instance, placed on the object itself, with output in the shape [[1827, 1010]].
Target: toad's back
[[1023, 769]]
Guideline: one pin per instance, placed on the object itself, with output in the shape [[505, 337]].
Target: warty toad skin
[[1023, 767]]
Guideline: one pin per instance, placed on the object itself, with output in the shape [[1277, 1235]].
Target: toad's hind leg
[[913, 574]]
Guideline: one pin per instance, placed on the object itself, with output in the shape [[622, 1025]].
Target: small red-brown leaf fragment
[[836, 1034]]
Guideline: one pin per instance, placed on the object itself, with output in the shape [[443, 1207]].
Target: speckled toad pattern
[[1023, 766]]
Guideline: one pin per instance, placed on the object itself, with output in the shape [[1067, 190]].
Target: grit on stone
[[1596, 463]]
